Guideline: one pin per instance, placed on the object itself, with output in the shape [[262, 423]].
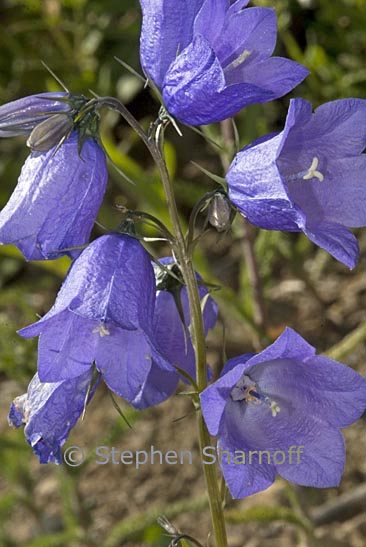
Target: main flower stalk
[[198, 339], [197, 330]]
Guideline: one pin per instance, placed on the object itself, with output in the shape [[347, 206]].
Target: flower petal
[[321, 463], [191, 82], [337, 240], [124, 359], [51, 410], [171, 336], [237, 5], [275, 77], [66, 346], [167, 28], [253, 30], [112, 280], [56, 200], [318, 386], [245, 479], [210, 19], [257, 189], [336, 129], [158, 386], [215, 397], [254, 428], [289, 345], [340, 197]]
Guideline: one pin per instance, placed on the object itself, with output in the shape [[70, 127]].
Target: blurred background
[[267, 279]]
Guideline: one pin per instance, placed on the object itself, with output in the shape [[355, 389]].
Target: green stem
[[198, 338], [197, 327]]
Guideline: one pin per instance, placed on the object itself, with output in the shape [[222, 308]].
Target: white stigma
[[238, 61], [312, 172], [102, 330]]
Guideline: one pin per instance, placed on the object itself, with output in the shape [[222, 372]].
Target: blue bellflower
[[280, 412], [310, 177], [103, 314], [211, 58], [20, 117], [173, 338], [56, 200], [49, 411]]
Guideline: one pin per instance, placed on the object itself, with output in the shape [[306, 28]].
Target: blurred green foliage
[[78, 40]]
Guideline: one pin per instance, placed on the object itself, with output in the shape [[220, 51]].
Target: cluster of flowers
[[116, 319]]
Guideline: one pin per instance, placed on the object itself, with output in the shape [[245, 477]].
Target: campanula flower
[[310, 177], [280, 412], [211, 58], [20, 117], [50, 410], [56, 200], [171, 333], [103, 314]]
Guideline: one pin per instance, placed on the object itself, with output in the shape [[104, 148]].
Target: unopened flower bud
[[219, 212], [20, 117], [50, 132]]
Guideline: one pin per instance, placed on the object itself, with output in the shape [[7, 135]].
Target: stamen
[[246, 390], [274, 408], [102, 330], [312, 172]]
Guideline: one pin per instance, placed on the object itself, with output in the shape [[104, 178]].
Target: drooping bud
[[50, 132], [220, 214], [20, 117]]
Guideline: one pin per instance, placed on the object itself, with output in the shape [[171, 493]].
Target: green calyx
[[82, 117]]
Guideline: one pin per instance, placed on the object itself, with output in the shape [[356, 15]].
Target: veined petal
[[124, 359], [289, 345], [321, 463], [317, 385], [112, 280], [237, 5], [245, 479], [56, 200], [258, 190], [158, 386], [336, 129], [170, 334], [210, 19], [50, 411], [249, 35], [215, 398], [337, 240], [191, 81], [275, 76], [340, 198], [232, 363], [167, 28], [253, 429], [254, 171], [66, 347]]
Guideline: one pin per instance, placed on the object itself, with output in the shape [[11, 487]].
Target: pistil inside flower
[[246, 390], [310, 173], [238, 61], [102, 330]]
